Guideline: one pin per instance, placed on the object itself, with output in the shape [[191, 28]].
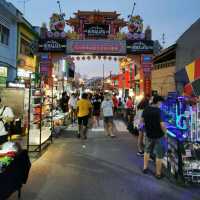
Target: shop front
[[3, 76], [26, 66]]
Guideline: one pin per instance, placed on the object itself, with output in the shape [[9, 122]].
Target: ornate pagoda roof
[[97, 12], [113, 16]]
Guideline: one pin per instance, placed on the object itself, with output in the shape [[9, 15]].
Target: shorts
[[108, 119], [129, 111], [73, 109], [96, 113], [115, 109], [83, 120], [156, 146]]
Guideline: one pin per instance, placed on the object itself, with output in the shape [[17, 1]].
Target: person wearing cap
[[6, 116], [155, 132], [107, 107]]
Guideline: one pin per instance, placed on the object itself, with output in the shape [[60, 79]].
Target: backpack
[[5, 124], [9, 127]]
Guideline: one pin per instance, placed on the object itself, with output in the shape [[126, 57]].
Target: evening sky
[[171, 17]]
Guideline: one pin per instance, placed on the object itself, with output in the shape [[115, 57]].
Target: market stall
[[40, 109], [182, 118], [15, 97]]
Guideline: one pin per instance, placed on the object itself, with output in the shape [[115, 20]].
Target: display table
[[16, 174], [34, 136]]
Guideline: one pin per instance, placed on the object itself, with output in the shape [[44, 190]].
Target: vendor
[[6, 116]]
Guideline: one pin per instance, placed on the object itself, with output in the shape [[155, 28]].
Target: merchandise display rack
[[40, 117], [183, 155]]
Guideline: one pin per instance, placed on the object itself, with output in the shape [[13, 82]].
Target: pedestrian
[[6, 118], [96, 103], [121, 108], [84, 108], [155, 132], [115, 103], [107, 110], [129, 109], [138, 123], [64, 102], [72, 107]]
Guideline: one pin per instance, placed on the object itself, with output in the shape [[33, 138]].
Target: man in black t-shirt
[[155, 132], [96, 102]]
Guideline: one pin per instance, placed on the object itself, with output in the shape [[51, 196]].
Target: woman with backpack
[[6, 117]]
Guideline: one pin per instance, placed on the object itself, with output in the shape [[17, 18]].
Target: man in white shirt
[[107, 109], [72, 106], [6, 116]]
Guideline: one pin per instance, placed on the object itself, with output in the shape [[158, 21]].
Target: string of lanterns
[[78, 58]]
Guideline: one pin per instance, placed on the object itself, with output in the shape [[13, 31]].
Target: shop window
[[25, 47], [4, 35]]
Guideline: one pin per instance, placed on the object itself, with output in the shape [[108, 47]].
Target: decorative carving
[[57, 22]]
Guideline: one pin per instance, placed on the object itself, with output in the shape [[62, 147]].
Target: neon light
[[171, 134]]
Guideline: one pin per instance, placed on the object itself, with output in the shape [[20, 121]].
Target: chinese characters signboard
[[138, 47], [52, 45], [97, 31]]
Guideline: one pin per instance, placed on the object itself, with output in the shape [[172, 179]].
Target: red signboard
[[45, 67], [96, 46]]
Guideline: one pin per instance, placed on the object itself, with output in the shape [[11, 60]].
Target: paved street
[[100, 168]]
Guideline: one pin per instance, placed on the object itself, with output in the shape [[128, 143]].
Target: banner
[[138, 47], [97, 31], [52, 45], [45, 66], [110, 47]]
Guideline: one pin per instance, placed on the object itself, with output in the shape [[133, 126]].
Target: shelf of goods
[[40, 117], [183, 141]]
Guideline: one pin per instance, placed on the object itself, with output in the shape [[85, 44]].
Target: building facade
[[26, 58], [187, 52], [163, 73], [9, 16]]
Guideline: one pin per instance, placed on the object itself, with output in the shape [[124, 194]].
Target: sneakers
[[140, 153], [159, 176], [145, 171], [112, 136]]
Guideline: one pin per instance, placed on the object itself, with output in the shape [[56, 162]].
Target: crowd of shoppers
[[90, 108], [145, 117]]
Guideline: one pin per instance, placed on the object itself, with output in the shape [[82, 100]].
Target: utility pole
[[103, 76], [163, 40], [133, 9], [24, 2], [58, 2]]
